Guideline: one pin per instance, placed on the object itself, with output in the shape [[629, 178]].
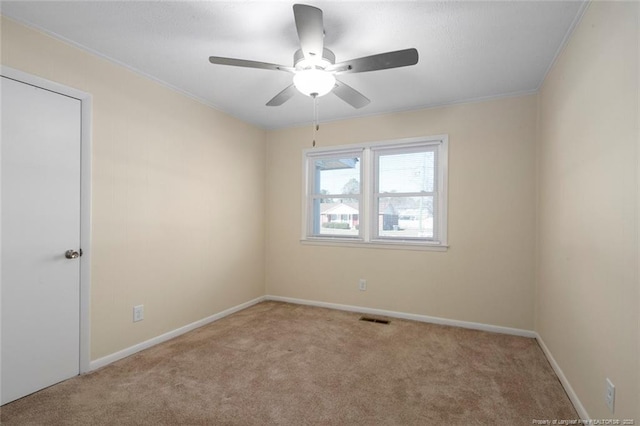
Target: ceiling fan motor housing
[[300, 63]]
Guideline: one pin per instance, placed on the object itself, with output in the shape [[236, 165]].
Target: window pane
[[336, 218], [412, 172], [337, 176], [405, 217]]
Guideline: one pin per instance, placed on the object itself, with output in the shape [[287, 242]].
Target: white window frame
[[368, 230]]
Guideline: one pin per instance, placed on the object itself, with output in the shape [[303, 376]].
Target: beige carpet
[[278, 363]]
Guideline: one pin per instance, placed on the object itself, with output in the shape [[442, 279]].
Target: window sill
[[377, 244]]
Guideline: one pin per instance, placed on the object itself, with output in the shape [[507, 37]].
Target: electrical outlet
[[362, 285], [610, 395], [138, 313]]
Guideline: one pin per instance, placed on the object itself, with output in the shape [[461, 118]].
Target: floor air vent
[[376, 320]]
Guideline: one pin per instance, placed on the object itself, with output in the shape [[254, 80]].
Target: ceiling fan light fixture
[[314, 82]]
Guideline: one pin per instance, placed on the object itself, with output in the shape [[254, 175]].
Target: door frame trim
[[86, 101]]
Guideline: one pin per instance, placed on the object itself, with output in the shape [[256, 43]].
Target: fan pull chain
[[316, 126]]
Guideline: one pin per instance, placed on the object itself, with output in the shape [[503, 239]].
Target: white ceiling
[[468, 50]]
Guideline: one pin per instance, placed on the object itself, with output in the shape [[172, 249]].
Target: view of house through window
[[395, 192]]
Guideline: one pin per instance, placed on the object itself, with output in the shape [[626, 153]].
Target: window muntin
[[388, 193]]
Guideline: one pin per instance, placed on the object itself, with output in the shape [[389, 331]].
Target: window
[[335, 195], [385, 193]]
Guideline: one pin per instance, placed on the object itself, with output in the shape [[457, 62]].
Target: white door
[[41, 137]]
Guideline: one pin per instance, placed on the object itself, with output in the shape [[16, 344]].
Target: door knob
[[72, 254]]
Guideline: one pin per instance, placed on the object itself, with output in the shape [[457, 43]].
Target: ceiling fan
[[314, 69]]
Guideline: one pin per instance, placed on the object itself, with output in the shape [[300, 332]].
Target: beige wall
[[178, 196], [587, 273], [486, 275]]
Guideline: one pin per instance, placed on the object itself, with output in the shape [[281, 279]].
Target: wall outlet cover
[[138, 313], [610, 395], [362, 285]]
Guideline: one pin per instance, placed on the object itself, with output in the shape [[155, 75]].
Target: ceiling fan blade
[[310, 30], [283, 96], [381, 61], [350, 95], [248, 64]]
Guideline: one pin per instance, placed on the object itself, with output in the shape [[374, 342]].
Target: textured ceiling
[[468, 50]]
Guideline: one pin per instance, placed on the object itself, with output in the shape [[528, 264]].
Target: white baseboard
[[582, 412], [101, 362], [414, 317]]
